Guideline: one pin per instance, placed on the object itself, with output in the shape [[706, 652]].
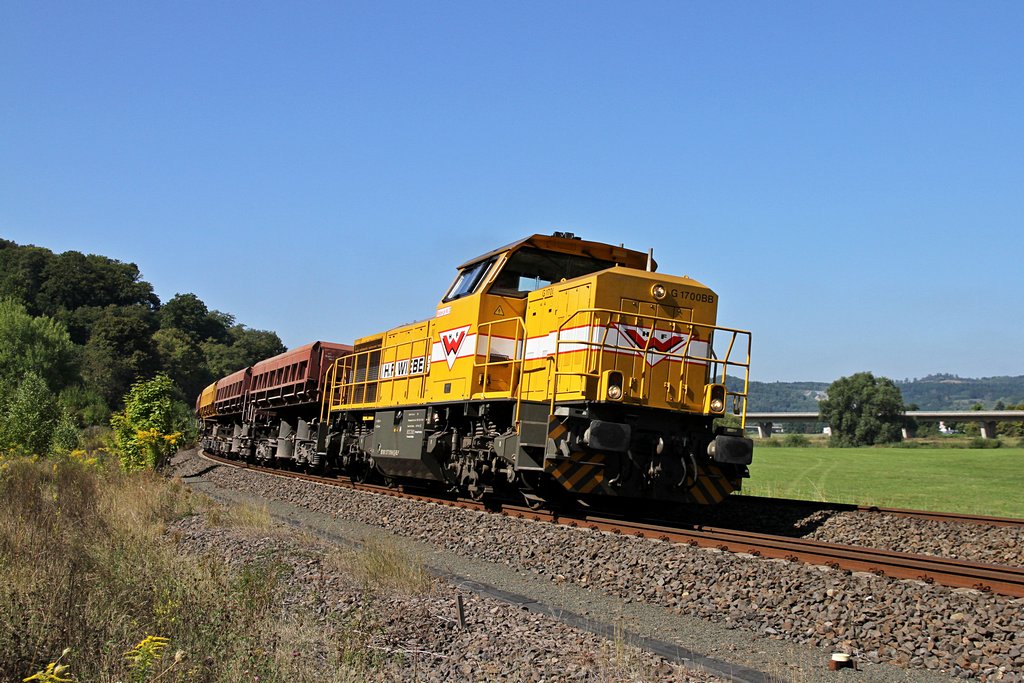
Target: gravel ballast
[[399, 635], [775, 616]]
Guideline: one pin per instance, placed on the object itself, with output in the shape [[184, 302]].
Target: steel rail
[[955, 517], [945, 571], [1002, 579]]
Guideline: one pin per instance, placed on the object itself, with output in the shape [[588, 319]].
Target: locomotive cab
[[492, 293]]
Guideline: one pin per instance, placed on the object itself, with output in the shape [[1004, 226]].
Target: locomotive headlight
[[613, 385], [659, 292], [714, 398]]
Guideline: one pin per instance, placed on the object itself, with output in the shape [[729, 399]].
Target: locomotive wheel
[[539, 492], [360, 474]]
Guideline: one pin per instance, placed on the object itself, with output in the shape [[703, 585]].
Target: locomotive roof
[[573, 245]]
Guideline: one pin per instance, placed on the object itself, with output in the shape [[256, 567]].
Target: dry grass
[[86, 564], [241, 516], [381, 565]]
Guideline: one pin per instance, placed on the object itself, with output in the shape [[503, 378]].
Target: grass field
[[984, 482]]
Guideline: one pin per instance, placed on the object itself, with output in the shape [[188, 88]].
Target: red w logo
[[451, 342], [663, 345], [653, 345]]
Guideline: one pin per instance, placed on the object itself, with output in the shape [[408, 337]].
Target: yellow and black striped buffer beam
[[580, 472], [576, 471], [712, 486], [556, 430]]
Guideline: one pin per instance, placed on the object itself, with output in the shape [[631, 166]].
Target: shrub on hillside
[[145, 432]]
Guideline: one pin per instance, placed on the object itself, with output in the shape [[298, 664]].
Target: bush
[[66, 436], [796, 441], [86, 404], [145, 433], [914, 444]]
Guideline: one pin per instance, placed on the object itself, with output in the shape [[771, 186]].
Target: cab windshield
[[468, 280], [531, 268]]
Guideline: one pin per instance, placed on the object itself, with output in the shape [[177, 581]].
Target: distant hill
[[949, 392], [785, 397], [935, 392]]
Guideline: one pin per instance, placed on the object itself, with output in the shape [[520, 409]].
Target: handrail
[[591, 318], [518, 348], [515, 361], [327, 396], [598, 323], [390, 354]]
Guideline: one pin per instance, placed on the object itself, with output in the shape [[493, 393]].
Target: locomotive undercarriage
[[611, 450], [583, 452], [451, 446]]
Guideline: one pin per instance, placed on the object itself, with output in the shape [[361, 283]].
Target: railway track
[[1000, 579]]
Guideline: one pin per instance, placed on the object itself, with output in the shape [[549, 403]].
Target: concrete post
[[764, 430], [909, 432], [988, 429]]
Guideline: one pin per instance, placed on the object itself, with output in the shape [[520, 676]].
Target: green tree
[[246, 348], [863, 410], [29, 418], [86, 403], [256, 344], [21, 273], [120, 351], [38, 345], [72, 280], [188, 313], [146, 432], [182, 359]]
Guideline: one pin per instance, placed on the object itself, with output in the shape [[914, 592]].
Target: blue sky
[[849, 177]]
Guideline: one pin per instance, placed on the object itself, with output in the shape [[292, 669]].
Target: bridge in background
[[986, 418]]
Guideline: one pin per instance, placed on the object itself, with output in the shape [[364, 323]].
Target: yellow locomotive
[[556, 366]]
